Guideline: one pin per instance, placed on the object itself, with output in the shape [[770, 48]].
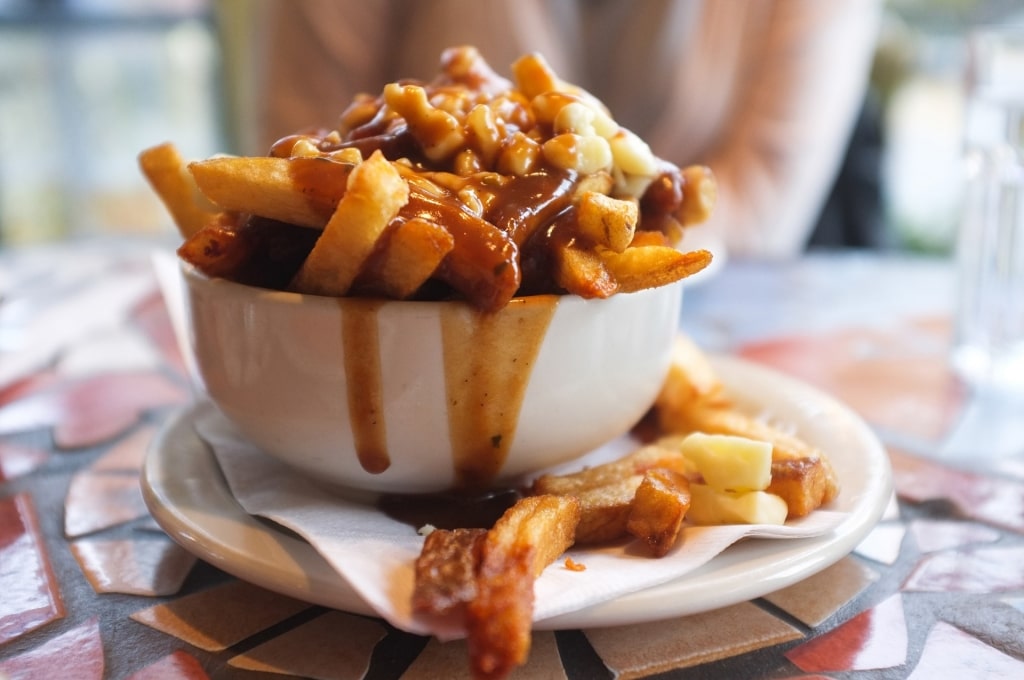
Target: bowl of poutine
[[465, 281]]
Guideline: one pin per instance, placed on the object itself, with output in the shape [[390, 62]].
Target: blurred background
[[86, 84]]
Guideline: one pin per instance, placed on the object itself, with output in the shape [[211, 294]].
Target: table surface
[[92, 588]]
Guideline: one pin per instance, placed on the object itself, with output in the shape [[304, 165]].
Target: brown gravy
[[488, 360], [363, 374]]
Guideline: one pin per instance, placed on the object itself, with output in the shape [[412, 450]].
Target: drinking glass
[[989, 325]]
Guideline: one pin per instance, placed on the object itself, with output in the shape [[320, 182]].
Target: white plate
[[189, 498]]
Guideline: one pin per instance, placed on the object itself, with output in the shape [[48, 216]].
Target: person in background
[[765, 92]]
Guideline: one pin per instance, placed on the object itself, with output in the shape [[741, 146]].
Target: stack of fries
[[486, 576], [468, 187]]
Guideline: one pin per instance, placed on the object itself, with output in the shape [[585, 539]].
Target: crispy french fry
[[167, 173], [691, 378], [484, 262], [582, 272], [652, 266], [635, 463], [607, 221], [446, 570], [604, 510], [374, 194], [219, 249], [528, 537], [409, 255], [801, 474], [659, 506], [303, 191], [606, 491]]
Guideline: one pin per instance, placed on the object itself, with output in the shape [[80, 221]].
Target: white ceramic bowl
[[418, 397]]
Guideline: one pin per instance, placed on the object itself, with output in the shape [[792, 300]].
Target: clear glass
[[989, 333]]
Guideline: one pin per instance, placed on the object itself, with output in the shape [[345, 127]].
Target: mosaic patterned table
[[90, 587]]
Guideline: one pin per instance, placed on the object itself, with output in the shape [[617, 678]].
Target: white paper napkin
[[375, 554]]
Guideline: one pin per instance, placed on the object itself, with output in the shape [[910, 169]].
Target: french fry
[[528, 537], [446, 570], [691, 378], [219, 249], [692, 401], [607, 221], [658, 509], [606, 491], [636, 463], [651, 266], [302, 191], [410, 253], [167, 173], [374, 194], [581, 271], [604, 510], [484, 262]]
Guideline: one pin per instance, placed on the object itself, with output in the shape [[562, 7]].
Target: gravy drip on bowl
[[359, 338], [488, 360]]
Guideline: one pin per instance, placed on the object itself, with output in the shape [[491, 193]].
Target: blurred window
[[84, 86]]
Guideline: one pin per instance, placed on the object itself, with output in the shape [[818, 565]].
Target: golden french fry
[[635, 463], [446, 570], [219, 249], [606, 491], [604, 510], [651, 266], [647, 237], [167, 173], [607, 221], [374, 194], [700, 193], [801, 474], [658, 509], [302, 191], [582, 272], [528, 537], [410, 253], [691, 378]]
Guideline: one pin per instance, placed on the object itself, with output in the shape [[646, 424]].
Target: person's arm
[[784, 143], [318, 55]]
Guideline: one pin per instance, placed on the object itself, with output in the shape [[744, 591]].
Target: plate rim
[[198, 512]]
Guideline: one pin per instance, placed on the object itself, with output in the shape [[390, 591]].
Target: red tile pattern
[[150, 316], [16, 460], [815, 599], [996, 501], [334, 645], [177, 666], [152, 567], [98, 501], [897, 378], [951, 653], [874, 639], [980, 570], [932, 535], [645, 649], [31, 597], [221, 616], [91, 410], [77, 653]]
